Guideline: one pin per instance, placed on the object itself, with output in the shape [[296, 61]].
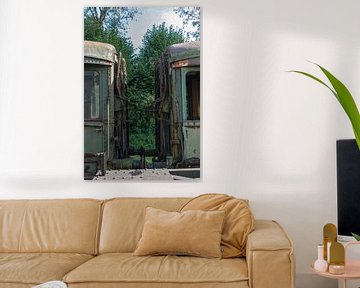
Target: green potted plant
[[345, 99]]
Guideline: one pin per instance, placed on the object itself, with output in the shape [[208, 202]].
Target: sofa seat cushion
[[127, 268], [36, 268]]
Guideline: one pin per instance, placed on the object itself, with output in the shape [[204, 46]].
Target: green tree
[[108, 18], [141, 92], [155, 42], [110, 25], [190, 16]]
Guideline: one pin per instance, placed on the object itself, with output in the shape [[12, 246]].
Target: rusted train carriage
[[105, 107], [177, 105]]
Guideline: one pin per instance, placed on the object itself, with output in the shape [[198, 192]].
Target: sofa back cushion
[[238, 224], [123, 220], [67, 226]]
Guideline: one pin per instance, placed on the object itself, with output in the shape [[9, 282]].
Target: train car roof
[[183, 51], [99, 50]]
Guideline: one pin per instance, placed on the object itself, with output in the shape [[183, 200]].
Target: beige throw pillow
[[193, 232], [238, 223]]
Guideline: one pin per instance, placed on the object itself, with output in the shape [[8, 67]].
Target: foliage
[[141, 124], [356, 236], [111, 18], [190, 15], [141, 90], [154, 43], [157, 39], [344, 97]]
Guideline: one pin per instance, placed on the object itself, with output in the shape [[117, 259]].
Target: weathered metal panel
[[169, 104], [191, 127], [97, 61], [98, 50], [93, 137], [95, 130], [183, 51], [186, 63], [191, 132]]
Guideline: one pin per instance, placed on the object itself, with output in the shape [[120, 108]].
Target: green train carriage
[[177, 105], [106, 135]]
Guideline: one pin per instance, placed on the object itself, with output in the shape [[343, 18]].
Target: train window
[[91, 95], [193, 95]]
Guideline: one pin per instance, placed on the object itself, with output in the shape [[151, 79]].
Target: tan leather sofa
[[89, 243]]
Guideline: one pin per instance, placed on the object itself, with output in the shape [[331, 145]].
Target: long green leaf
[[314, 78], [344, 97], [357, 137], [357, 237], [347, 102]]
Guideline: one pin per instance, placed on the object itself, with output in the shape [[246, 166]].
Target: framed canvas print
[[142, 93]]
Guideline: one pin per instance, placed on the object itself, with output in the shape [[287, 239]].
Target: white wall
[[267, 135]]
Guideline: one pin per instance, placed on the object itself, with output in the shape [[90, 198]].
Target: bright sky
[[149, 17]]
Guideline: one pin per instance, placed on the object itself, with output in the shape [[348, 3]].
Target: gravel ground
[[139, 175]]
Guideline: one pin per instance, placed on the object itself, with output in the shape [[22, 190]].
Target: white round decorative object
[[320, 264]]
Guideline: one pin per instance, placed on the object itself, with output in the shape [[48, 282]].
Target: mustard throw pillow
[[193, 232], [238, 223]]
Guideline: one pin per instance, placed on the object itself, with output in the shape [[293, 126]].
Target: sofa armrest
[[269, 256]]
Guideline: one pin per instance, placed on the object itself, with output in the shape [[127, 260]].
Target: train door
[[191, 111], [95, 91]]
